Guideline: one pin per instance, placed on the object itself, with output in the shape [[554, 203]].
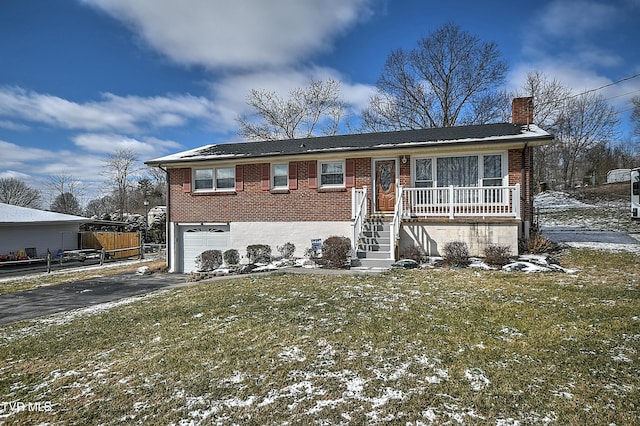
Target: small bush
[[456, 253], [259, 253], [209, 260], [231, 257], [414, 252], [286, 250], [335, 252], [537, 244], [497, 255]]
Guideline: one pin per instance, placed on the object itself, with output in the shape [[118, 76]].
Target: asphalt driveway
[[49, 300], [566, 234]]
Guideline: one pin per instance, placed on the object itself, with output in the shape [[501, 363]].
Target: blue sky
[[80, 79]]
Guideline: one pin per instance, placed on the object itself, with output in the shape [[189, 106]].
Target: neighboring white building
[[618, 175], [22, 228]]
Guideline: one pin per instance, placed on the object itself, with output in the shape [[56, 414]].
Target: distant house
[[23, 228], [619, 175], [385, 191]]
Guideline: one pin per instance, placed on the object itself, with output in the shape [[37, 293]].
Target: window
[[216, 179], [424, 175], [492, 170], [457, 171], [462, 171], [280, 176], [203, 179], [332, 173], [225, 178]]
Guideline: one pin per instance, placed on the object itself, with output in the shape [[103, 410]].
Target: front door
[[385, 185]]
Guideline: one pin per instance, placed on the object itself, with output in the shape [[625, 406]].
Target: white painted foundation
[[277, 234], [478, 236]]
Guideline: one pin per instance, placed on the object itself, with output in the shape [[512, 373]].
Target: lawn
[[436, 346]]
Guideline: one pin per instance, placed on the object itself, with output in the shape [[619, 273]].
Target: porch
[[490, 204]]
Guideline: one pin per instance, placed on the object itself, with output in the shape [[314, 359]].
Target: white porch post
[[516, 201], [451, 202]]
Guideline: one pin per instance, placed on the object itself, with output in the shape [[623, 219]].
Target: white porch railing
[[359, 212], [395, 222], [451, 202]]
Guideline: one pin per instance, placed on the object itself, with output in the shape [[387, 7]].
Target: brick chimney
[[522, 111]]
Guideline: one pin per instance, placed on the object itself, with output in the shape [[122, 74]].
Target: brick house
[[385, 191]]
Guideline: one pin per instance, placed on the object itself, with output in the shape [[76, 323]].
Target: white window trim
[[273, 176], [434, 166], [214, 188], [344, 174]]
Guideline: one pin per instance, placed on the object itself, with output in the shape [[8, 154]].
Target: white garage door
[[196, 239]]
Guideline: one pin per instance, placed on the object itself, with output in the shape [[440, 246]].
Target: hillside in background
[[603, 207]]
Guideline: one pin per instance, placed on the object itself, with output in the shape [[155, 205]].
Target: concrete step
[[370, 241], [381, 254], [377, 234], [365, 264]]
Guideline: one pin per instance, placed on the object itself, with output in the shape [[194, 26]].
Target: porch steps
[[374, 246]]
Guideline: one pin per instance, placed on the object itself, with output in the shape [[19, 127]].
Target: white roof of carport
[[14, 215]]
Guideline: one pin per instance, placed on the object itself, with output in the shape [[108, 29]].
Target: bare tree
[[61, 184], [119, 169], [100, 207], [298, 116], [548, 102], [450, 78], [584, 122], [18, 193], [635, 115], [66, 203]]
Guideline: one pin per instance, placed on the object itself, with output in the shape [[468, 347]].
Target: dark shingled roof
[[356, 142]]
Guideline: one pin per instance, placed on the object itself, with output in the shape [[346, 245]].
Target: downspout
[[523, 194], [168, 220]]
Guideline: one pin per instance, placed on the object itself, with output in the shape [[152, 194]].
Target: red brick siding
[[516, 175], [254, 205], [405, 172]]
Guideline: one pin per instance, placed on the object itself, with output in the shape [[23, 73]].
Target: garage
[[196, 239]]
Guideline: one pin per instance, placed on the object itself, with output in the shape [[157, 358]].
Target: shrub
[[209, 260], [335, 252], [231, 257], [456, 253], [286, 250], [259, 253], [537, 244], [497, 255], [414, 252]]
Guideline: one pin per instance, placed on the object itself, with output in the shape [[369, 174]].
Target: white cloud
[[576, 18], [110, 143], [14, 155], [240, 33], [129, 114], [231, 93], [16, 175]]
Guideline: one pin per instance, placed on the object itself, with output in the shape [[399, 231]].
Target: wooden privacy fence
[[117, 244]]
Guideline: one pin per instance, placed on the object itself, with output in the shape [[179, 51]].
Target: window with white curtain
[[460, 171], [492, 169], [424, 173], [457, 171]]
